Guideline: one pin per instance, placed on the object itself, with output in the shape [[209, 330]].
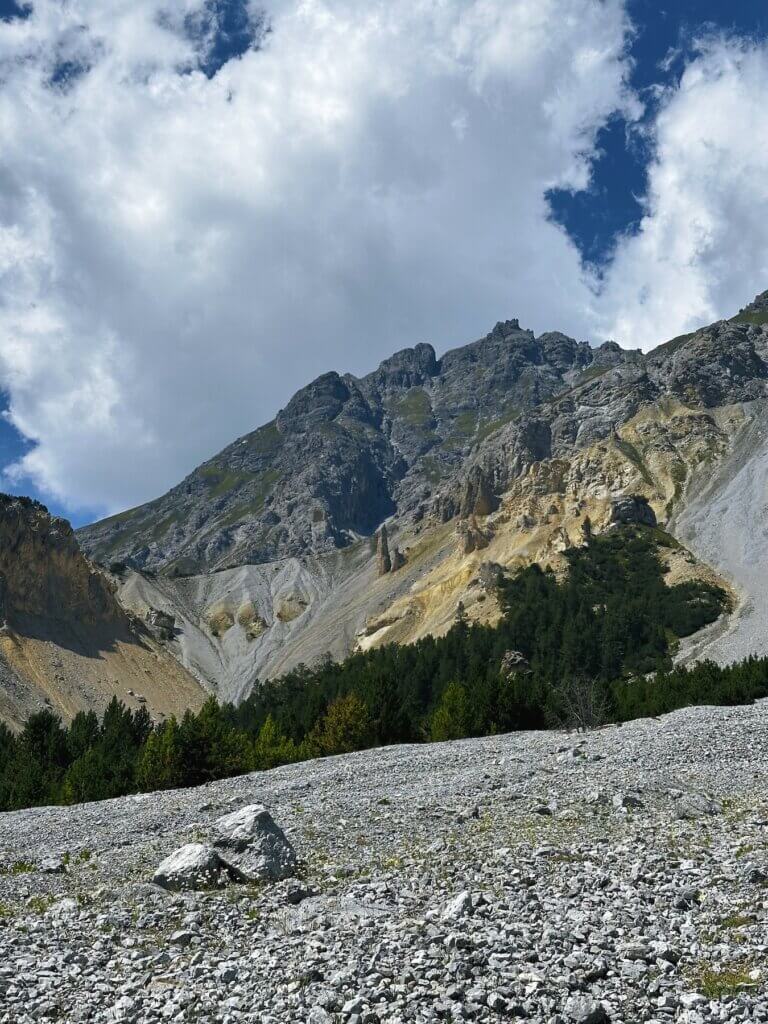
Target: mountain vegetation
[[593, 647]]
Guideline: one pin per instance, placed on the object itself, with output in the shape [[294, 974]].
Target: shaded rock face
[[162, 624], [423, 438], [43, 573], [633, 508]]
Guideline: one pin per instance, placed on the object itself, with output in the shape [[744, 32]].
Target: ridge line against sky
[[206, 203]]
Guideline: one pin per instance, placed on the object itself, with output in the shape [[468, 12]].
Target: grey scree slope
[[535, 876]]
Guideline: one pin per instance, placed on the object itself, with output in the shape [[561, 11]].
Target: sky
[[204, 204]]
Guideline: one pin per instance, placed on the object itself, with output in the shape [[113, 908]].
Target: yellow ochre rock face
[[553, 507]]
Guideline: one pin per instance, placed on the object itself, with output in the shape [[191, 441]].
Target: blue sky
[[664, 41], [206, 203]]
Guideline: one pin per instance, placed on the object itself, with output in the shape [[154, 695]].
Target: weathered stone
[[194, 866], [513, 663], [583, 1010], [459, 906], [696, 805], [251, 843], [162, 624], [383, 559]]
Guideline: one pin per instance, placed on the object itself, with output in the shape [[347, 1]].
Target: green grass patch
[[266, 439], [591, 373], [221, 481], [737, 921], [674, 344], [415, 408], [19, 867], [431, 469], [463, 429], [757, 318], [629, 451], [486, 429], [163, 526], [719, 982], [264, 484]]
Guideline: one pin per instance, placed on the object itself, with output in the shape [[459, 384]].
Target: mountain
[[370, 508], [347, 453], [65, 640]]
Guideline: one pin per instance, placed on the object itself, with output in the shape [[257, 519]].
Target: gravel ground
[[620, 876]]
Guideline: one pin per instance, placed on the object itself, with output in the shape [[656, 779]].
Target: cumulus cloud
[[702, 249], [183, 244]]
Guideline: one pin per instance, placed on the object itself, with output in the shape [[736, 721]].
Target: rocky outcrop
[[162, 624], [66, 642], [387, 562], [632, 508], [513, 663], [383, 558], [472, 537], [43, 571]]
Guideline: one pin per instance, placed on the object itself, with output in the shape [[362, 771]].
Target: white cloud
[[178, 253], [702, 250]]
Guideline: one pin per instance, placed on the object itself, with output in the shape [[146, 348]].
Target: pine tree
[[450, 719], [159, 764], [346, 726], [272, 747]]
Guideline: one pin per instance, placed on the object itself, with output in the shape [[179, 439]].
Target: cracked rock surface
[[429, 887]]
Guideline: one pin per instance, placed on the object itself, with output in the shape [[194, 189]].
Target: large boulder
[[513, 663], [251, 844], [194, 866]]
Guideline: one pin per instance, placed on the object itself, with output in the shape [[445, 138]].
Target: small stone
[[696, 805], [460, 906], [583, 1010], [54, 864], [353, 1006], [627, 801]]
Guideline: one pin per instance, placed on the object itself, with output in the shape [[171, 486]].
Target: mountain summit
[[347, 453]]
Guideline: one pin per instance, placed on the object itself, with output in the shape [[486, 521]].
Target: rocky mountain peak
[[758, 305], [405, 369], [318, 402]]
